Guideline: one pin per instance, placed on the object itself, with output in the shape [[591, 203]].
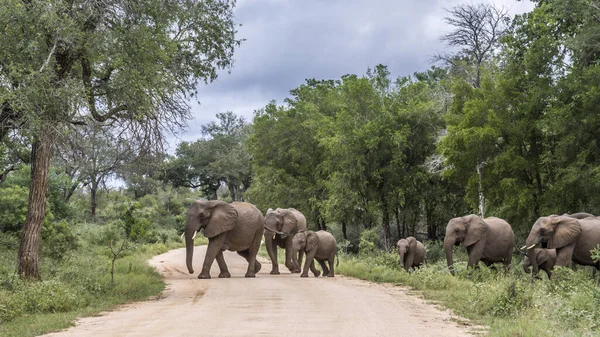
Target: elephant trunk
[[448, 243], [530, 243], [402, 256], [283, 234], [190, 233]]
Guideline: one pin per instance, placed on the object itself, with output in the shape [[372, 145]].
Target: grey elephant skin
[[280, 227], [320, 246], [572, 238], [489, 240], [545, 259], [236, 226], [411, 252]]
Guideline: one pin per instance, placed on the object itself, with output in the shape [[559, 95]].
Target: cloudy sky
[[288, 41]]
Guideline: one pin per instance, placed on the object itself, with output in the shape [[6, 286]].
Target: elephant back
[[327, 244], [501, 231], [250, 221]]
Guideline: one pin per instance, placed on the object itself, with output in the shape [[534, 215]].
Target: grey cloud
[[289, 41]]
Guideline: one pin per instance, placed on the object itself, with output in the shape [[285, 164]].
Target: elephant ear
[[269, 210], [223, 218], [290, 222], [566, 231], [412, 243], [541, 256], [476, 230], [312, 241]]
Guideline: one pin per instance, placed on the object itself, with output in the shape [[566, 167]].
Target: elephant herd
[[555, 240], [240, 226]]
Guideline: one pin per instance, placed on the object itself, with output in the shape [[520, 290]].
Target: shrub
[[58, 239], [368, 241]]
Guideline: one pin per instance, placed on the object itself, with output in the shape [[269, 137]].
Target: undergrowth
[[511, 305], [78, 284]]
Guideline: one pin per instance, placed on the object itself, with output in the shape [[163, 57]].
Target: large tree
[[129, 64]]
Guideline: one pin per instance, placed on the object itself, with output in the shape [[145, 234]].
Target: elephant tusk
[[274, 236], [194, 236], [523, 247], [182, 234], [533, 245]]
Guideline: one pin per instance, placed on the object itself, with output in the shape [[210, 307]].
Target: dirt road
[[268, 305]]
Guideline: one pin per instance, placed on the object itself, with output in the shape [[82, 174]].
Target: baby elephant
[[318, 245], [411, 251], [546, 259]]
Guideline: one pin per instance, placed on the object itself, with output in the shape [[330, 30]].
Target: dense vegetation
[[505, 125]]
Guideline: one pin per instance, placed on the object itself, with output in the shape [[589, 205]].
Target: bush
[[58, 239], [13, 208], [434, 251], [368, 242]]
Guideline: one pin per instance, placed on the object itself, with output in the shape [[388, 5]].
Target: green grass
[[511, 305], [77, 286]]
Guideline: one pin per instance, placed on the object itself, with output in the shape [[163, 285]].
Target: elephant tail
[[337, 263]]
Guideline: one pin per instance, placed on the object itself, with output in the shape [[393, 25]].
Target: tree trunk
[[387, 233], [41, 154], [480, 190], [93, 198], [344, 230]]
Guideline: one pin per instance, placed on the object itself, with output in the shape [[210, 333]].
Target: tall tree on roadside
[[129, 64], [477, 30]]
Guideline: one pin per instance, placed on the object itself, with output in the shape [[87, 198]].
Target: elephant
[[280, 227], [572, 238], [489, 240], [236, 226], [545, 258], [411, 251], [318, 245], [580, 215]]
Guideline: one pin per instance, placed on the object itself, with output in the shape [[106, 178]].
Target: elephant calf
[[545, 258], [411, 252], [318, 245]]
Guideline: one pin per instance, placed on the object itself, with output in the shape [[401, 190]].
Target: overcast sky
[[288, 41]]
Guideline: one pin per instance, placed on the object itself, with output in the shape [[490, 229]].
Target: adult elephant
[[572, 238], [236, 226], [411, 252], [280, 227], [488, 240]]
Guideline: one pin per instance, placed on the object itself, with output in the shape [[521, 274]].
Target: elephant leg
[[310, 256], [300, 257], [330, 260], [475, 253], [290, 261], [213, 249], [272, 250], [314, 270], [251, 262], [324, 267], [222, 266]]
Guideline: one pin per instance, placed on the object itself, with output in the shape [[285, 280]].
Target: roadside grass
[[79, 285], [511, 305]]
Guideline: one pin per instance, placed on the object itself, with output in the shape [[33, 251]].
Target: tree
[[219, 158], [129, 64], [477, 30]]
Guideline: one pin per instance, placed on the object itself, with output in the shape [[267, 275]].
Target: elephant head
[[406, 250], [553, 232], [466, 230], [214, 216], [305, 241], [280, 221]]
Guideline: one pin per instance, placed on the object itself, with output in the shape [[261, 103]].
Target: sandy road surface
[[268, 305]]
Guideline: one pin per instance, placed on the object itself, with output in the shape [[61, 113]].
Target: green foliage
[[512, 305], [58, 239], [13, 208], [369, 240]]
